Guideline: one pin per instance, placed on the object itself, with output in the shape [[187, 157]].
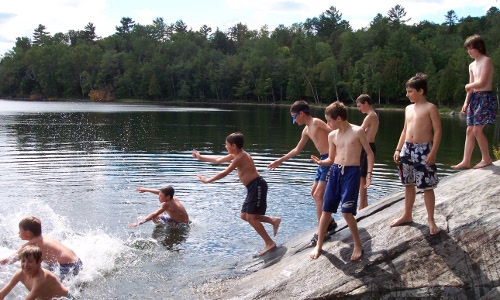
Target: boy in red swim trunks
[[480, 104]]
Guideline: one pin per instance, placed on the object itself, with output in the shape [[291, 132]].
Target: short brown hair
[[32, 224], [337, 109], [476, 41], [31, 250], [418, 82], [236, 138], [364, 98], [168, 191]]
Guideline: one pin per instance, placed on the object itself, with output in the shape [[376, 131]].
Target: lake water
[[76, 167]]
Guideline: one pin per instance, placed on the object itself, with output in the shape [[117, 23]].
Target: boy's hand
[[140, 189], [315, 159], [196, 154], [274, 164], [368, 182], [202, 178], [396, 157], [131, 225]]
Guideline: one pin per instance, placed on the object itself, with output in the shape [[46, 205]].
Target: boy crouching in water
[[345, 144], [254, 208], [416, 151], [41, 283]]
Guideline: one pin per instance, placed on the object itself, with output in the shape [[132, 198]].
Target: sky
[[21, 18]]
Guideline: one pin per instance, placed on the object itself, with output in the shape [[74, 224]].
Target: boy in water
[[370, 126], [177, 214], [480, 104], [54, 252], [316, 130], [254, 208], [345, 144], [41, 283], [416, 151]]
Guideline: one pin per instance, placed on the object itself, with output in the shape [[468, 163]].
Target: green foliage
[[496, 152], [319, 60]]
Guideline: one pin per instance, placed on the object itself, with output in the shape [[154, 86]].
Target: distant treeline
[[320, 60]]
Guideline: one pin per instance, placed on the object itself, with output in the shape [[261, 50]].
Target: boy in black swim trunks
[[480, 104], [254, 208], [417, 149]]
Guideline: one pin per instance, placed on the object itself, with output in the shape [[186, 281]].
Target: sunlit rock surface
[[461, 262]]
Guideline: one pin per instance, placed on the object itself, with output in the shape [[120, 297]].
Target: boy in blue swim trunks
[[480, 104], [416, 151], [55, 254], [41, 283], [254, 208], [317, 131], [345, 144], [177, 214]]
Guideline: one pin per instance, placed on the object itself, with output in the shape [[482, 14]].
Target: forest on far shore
[[320, 60]]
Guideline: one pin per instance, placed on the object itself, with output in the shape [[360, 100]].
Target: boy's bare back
[[176, 211], [247, 171], [318, 132], [53, 250]]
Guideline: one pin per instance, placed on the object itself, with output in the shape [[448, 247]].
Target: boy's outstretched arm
[[149, 217], [10, 285], [141, 189], [211, 159]]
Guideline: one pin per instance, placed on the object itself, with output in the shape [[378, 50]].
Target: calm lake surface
[[76, 167]]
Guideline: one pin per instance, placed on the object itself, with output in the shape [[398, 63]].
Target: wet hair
[[336, 109], [168, 191], [299, 106], [31, 250], [32, 224], [363, 98], [235, 138], [476, 41], [418, 82]]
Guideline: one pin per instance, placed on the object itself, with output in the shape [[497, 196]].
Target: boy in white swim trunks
[[416, 151], [177, 214], [345, 144]]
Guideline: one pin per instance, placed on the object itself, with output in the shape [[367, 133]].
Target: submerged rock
[[461, 262]]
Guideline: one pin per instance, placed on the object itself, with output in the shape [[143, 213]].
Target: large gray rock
[[461, 262]]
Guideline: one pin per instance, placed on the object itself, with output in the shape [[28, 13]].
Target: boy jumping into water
[[370, 126], [254, 208], [416, 151], [41, 283], [480, 104], [316, 130], [177, 214], [54, 252], [345, 144]]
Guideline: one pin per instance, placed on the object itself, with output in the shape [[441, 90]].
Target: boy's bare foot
[[276, 224], [483, 164], [315, 253], [460, 166], [267, 249], [401, 221], [356, 254], [433, 229]]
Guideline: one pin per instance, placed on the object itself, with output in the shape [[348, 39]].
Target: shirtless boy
[[41, 283], [254, 208], [416, 151], [177, 214], [316, 130], [345, 144], [480, 104], [370, 126], [53, 251]]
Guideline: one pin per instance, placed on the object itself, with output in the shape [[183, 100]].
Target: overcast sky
[[20, 18]]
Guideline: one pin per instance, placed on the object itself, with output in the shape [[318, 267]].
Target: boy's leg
[[255, 222], [322, 226], [363, 193], [317, 192], [470, 142], [482, 141], [407, 217], [353, 227], [430, 202]]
